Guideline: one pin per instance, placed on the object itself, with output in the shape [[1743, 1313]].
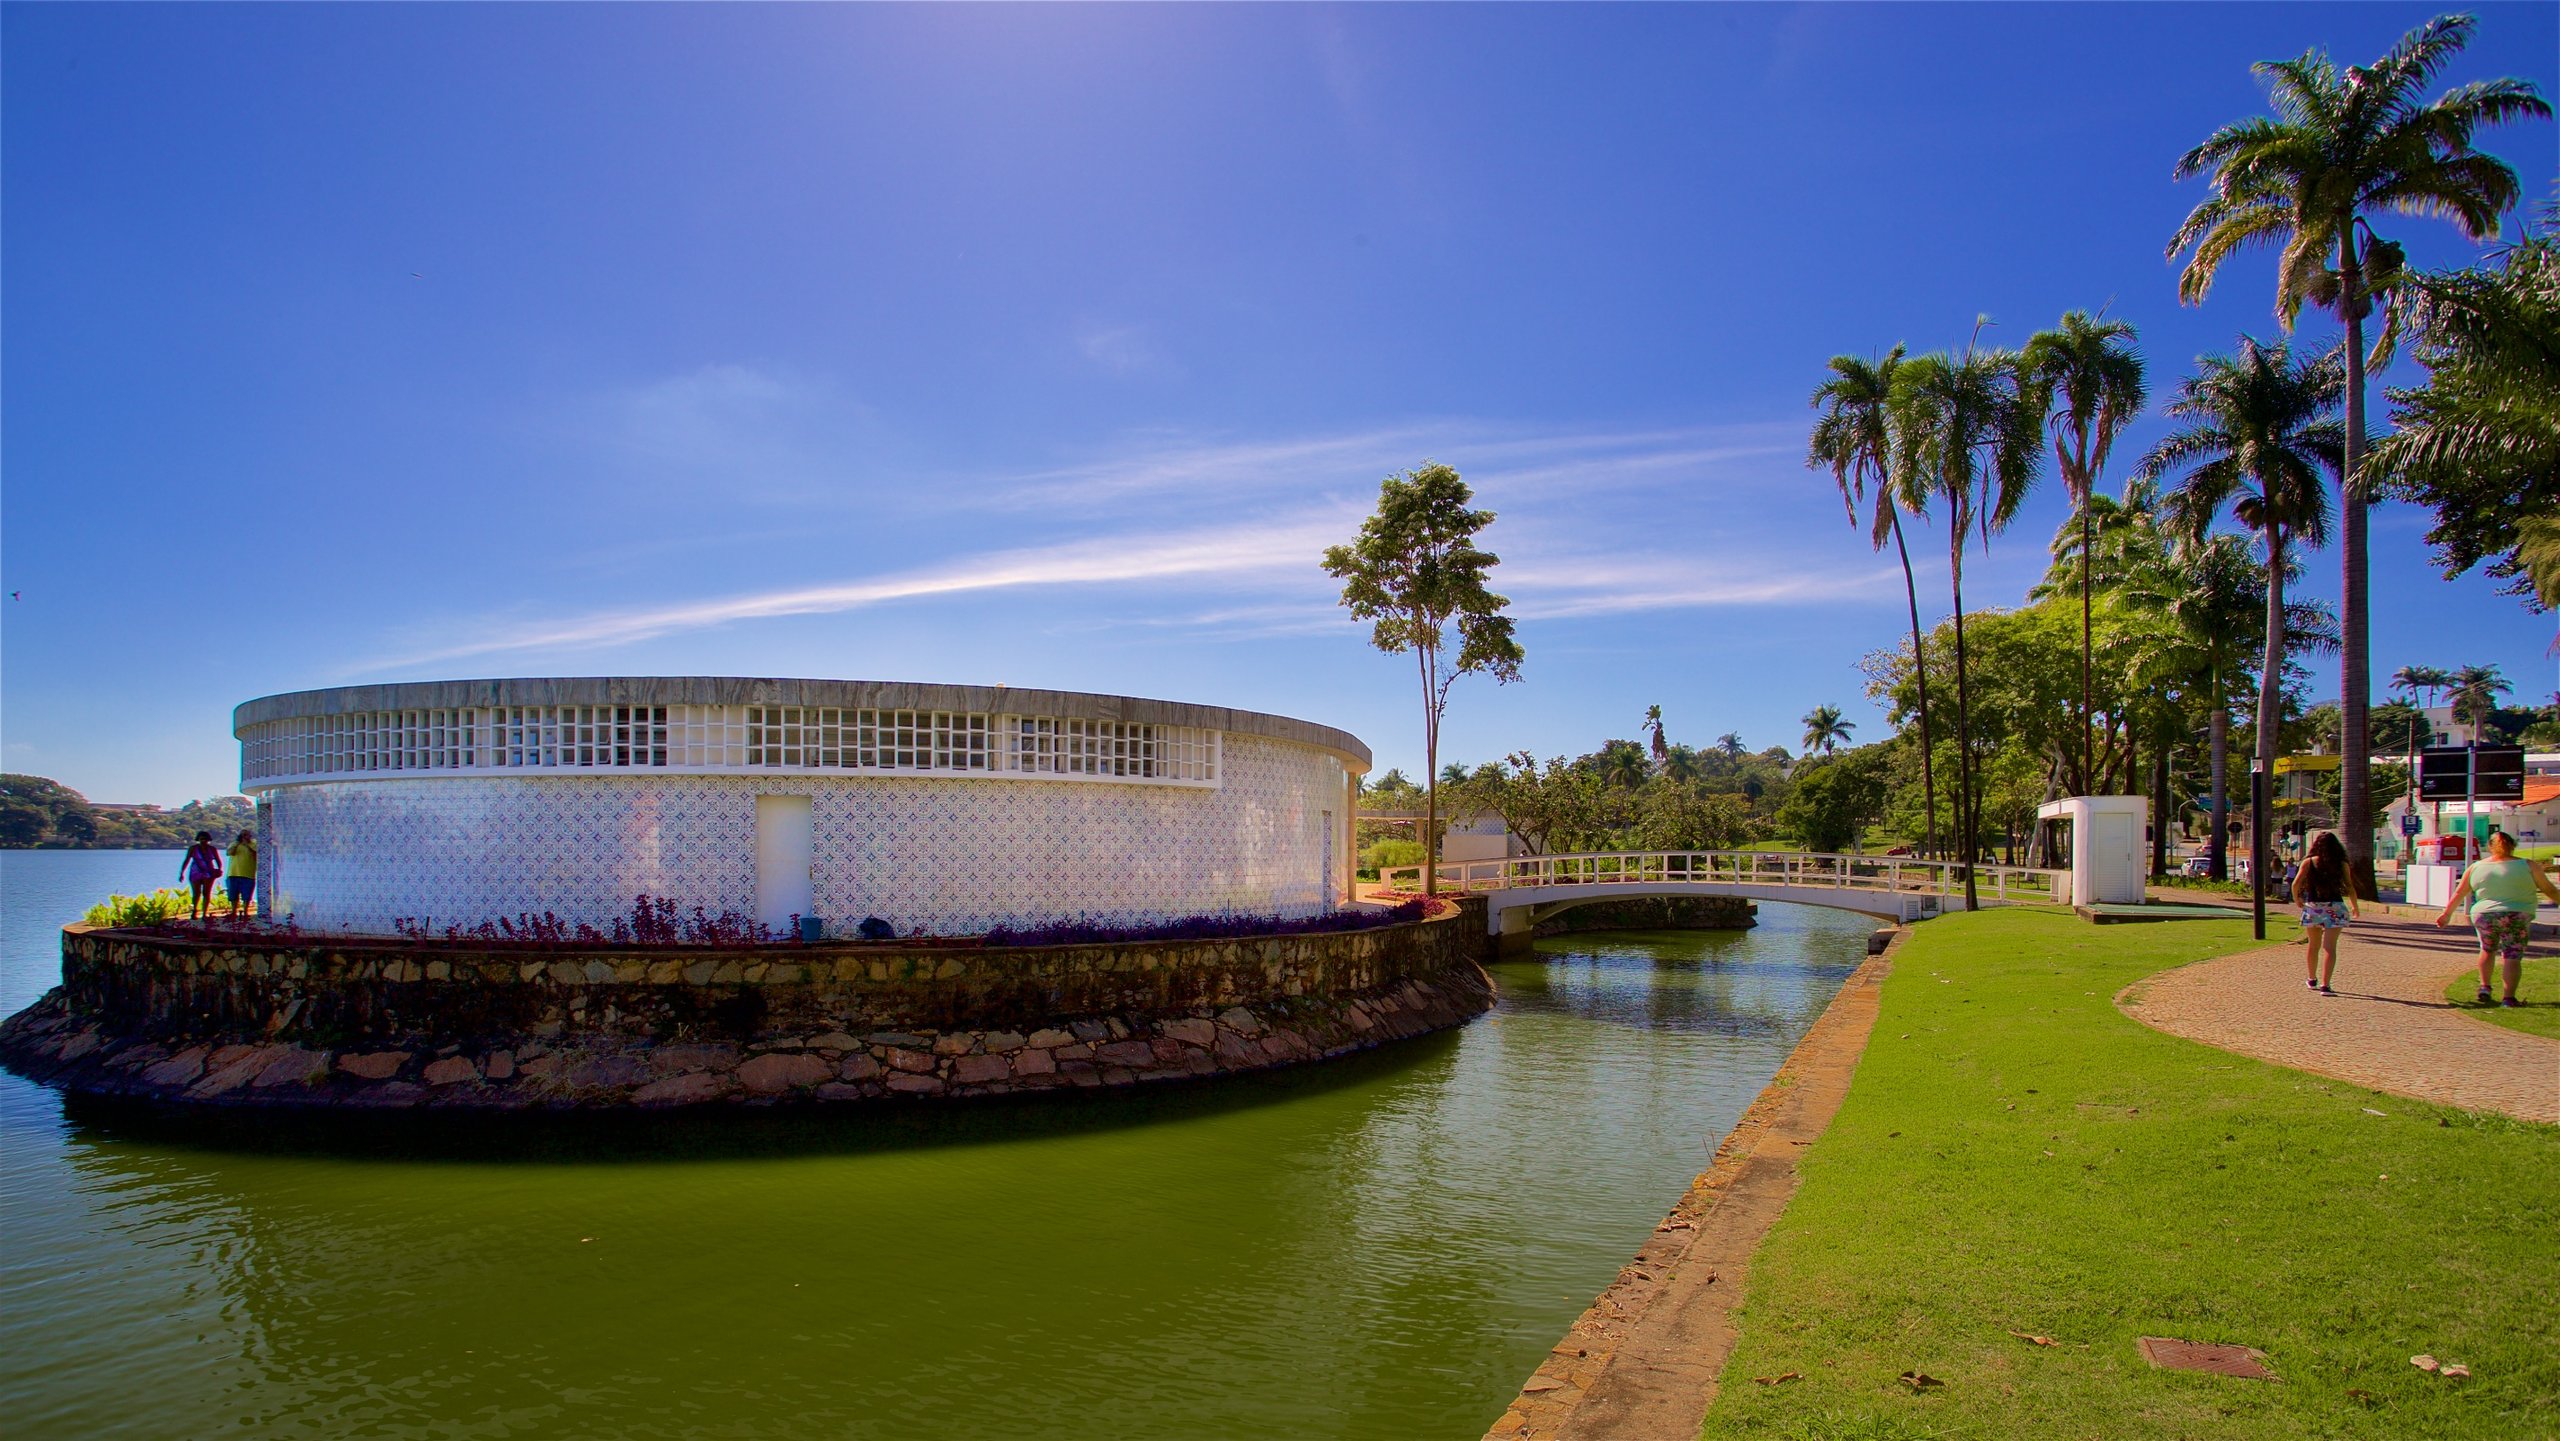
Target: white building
[[941, 809]]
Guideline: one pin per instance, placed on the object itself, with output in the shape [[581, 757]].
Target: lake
[[1381, 1247]]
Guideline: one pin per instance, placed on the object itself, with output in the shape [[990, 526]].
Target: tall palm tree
[[1824, 730], [2095, 376], [1731, 744], [2341, 148], [2259, 434], [1966, 431], [2421, 681], [1661, 751], [1853, 438], [2475, 690]]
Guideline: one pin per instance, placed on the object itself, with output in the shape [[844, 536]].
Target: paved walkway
[[2388, 1027]]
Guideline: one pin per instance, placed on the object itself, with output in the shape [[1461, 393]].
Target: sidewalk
[[2388, 1027]]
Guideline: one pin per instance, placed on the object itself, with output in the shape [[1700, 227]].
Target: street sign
[[2410, 825], [2446, 773]]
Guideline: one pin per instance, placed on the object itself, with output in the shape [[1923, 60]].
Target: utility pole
[[2258, 847]]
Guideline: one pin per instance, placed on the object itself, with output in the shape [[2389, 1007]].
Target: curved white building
[[945, 809]]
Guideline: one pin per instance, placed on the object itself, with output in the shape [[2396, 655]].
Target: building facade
[[943, 810]]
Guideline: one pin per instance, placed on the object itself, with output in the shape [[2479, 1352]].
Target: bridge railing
[[1897, 874]]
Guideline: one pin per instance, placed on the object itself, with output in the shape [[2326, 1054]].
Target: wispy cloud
[[1231, 553], [1505, 463]]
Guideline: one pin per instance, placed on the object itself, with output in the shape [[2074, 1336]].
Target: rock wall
[[1655, 913], [259, 1018]]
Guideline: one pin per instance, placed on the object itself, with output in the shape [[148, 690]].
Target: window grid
[[682, 737]]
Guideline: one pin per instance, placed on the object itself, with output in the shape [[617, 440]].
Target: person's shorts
[[240, 888], [2503, 933], [2326, 915]]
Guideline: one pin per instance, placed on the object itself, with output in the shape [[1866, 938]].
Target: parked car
[[2197, 866]]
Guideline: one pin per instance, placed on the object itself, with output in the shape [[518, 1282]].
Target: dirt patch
[[1641, 1363]]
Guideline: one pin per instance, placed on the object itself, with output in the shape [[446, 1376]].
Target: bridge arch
[[1521, 891]]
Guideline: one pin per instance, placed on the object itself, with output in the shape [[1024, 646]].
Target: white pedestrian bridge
[[1522, 891]]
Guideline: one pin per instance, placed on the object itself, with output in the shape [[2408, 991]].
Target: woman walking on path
[[2322, 888], [201, 867], [2500, 887]]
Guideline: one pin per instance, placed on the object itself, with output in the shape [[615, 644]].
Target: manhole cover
[[2171, 1355]]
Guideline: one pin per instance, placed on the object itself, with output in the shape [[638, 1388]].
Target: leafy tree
[[2479, 443], [1415, 572], [2092, 370], [22, 823], [1834, 799], [1854, 439], [1967, 430], [2341, 148], [1824, 730], [2257, 438]]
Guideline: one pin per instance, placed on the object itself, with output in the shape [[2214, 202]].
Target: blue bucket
[[813, 928]]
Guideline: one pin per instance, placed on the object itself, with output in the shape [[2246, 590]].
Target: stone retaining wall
[[265, 1019]]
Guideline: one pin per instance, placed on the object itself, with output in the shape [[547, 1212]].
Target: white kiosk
[[2106, 846]]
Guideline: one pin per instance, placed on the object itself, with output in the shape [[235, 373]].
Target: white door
[[2115, 862], [786, 854]]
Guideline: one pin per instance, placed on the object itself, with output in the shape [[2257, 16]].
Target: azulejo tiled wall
[[948, 856]]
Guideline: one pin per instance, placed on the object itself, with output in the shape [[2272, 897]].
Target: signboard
[[2445, 773], [2409, 823], [2287, 765]]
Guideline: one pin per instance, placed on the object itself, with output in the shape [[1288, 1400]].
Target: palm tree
[[2476, 689], [2092, 369], [2339, 149], [2479, 443], [1824, 730], [1731, 744], [1661, 751], [2259, 433], [2208, 597], [1854, 440], [2421, 681], [1454, 774], [1966, 431]]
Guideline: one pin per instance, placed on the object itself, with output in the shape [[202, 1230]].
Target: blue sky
[[1050, 345]]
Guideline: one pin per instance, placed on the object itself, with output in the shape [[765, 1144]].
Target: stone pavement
[[2388, 1027]]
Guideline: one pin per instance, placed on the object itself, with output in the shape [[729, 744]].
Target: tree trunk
[[2086, 765], [1968, 815], [1430, 777], [2160, 807], [2269, 687], [2355, 660], [2220, 811], [1920, 675]]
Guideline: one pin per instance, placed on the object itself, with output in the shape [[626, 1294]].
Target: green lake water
[[1378, 1247]]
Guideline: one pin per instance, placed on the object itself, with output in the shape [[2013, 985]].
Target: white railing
[[1901, 875]]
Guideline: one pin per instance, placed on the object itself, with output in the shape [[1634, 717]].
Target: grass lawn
[[2540, 1013], [2016, 1155]]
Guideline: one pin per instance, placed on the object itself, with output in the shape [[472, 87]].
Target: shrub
[[1390, 852], [151, 908], [1083, 931]]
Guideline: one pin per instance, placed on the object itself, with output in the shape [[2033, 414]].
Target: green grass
[[2016, 1155], [2540, 1013]]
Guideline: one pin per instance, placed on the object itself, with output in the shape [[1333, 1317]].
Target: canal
[[1378, 1248]]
